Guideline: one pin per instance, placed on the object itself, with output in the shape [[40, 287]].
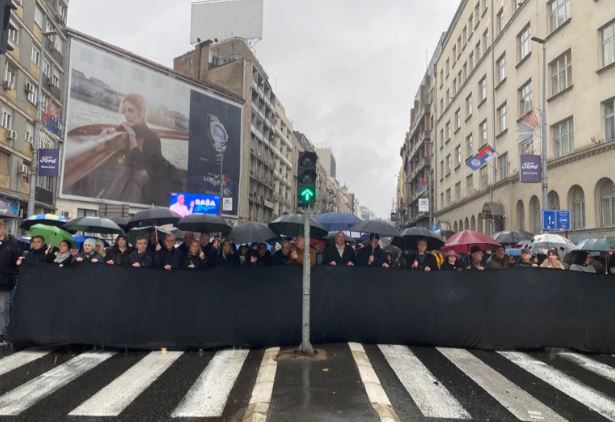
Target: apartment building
[[38, 44], [489, 92]]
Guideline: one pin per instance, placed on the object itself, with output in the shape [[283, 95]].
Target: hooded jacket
[[9, 252]]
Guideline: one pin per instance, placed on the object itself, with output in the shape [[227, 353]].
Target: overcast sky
[[345, 70]]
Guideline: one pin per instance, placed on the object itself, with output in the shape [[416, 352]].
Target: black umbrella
[[292, 225], [93, 225], [251, 232], [513, 237], [375, 227], [203, 223], [153, 217], [408, 237], [121, 221], [145, 231]]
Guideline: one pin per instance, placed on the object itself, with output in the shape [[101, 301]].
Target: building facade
[[38, 42], [489, 92]]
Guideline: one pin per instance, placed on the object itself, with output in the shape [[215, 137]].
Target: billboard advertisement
[[135, 134], [48, 161], [530, 169], [225, 19], [184, 203]]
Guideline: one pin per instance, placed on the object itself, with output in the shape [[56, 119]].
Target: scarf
[[61, 257]]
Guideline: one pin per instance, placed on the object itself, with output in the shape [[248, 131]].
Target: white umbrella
[[541, 243]]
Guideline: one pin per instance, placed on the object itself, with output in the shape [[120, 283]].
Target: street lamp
[[219, 139], [543, 122]]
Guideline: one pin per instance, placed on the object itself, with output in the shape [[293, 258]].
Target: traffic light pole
[[306, 347]]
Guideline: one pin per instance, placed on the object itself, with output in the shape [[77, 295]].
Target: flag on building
[[485, 154], [527, 126]]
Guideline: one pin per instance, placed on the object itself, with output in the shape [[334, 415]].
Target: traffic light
[[6, 6], [306, 178]]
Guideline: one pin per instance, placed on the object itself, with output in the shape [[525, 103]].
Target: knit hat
[[91, 242]]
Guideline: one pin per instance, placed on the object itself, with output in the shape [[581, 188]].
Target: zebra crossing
[[345, 381]]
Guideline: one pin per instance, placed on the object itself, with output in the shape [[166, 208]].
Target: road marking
[[376, 394], [263, 388], [592, 365], [518, 402], [566, 384], [117, 395], [14, 361], [431, 397], [21, 398], [208, 395]]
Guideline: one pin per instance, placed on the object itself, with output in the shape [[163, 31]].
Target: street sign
[[394, 216], [553, 220], [423, 204], [435, 227]]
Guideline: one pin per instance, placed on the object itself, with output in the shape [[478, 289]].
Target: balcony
[[55, 54]]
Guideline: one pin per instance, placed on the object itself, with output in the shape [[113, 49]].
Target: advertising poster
[[130, 133], [185, 204], [530, 169]]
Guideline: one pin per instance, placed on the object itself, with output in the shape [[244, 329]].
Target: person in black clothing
[[226, 255], [168, 257], [89, 253], [36, 253], [141, 257], [372, 255], [422, 261], [475, 260], [208, 248], [195, 259], [452, 262], [118, 253], [282, 255], [339, 253], [264, 255], [242, 258], [9, 252], [526, 260], [185, 246]]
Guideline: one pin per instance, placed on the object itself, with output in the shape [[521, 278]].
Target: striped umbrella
[[45, 219]]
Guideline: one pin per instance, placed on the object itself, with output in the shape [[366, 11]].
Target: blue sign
[[553, 220], [435, 227], [194, 203]]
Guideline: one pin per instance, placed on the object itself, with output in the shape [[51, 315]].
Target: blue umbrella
[[336, 221], [45, 219]]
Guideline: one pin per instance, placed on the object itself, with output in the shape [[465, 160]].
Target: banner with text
[[48, 162], [530, 169]]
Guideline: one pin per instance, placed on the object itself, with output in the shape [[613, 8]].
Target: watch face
[[219, 137]]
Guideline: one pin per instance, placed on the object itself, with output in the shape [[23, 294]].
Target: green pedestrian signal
[[306, 178]]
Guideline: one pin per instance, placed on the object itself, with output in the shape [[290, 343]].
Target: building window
[[441, 78], [477, 13], [482, 129], [448, 131], [459, 47], [448, 164], [605, 191], [454, 53], [563, 138], [454, 86], [448, 197], [4, 163], [457, 191], [457, 156], [576, 205], [471, 23], [534, 215], [482, 89], [525, 98], [607, 34], [465, 71], [464, 37], [517, 4], [477, 51], [502, 118], [13, 34], [559, 12], [609, 118], [36, 56], [470, 184], [448, 97], [553, 201], [469, 106], [561, 73], [441, 169], [485, 39], [31, 93], [469, 146], [39, 17], [499, 21], [500, 69], [520, 215], [524, 42], [448, 67], [29, 133], [9, 75], [7, 118], [441, 138], [458, 119], [503, 166], [484, 177], [84, 212]]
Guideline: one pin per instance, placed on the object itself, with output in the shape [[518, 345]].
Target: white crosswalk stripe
[[591, 365], [208, 396], [117, 395], [595, 400], [263, 387], [16, 360], [516, 400], [430, 396], [21, 398]]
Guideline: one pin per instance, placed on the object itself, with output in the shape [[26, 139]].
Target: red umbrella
[[462, 242]]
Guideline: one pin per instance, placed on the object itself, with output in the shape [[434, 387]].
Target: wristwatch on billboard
[[218, 134]]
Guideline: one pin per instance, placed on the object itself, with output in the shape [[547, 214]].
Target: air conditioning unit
[[24, 169], [11, 134]]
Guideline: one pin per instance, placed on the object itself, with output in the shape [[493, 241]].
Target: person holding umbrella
[[423, 261], [372, 255], [141, 257], [340, 253], [118, 253], [89, 253], [36, 253], [167, 257]]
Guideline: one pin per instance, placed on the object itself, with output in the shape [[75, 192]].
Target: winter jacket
[[333, 255], [118, 257], [199, 264], [447, 266], [38, 255], [88, 258], [9, 252], [164, 257], [425, 260], [366, 252], [496, 263], [144, 259], [278, 258]]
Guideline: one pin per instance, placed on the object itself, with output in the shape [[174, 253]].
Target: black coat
[[89, 258], [211, 254], [332, 255], [146, 259], [425, 260], [222, 259], [38, 255], [278, 258], [366, 252], [199, 264], [450, 267], [9, 252], [173, 257], [118, 257]]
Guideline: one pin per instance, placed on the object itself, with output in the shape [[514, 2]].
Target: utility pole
[[543, 123], [306, 346]]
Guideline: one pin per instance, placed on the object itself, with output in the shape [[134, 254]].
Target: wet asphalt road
[[344, 382]]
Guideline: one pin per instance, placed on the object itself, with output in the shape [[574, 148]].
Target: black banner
[[125, 307]]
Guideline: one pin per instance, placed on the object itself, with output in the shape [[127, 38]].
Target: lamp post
[[543, 122]]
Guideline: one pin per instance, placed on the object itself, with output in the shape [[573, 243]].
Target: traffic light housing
[[306, 178], [6, 7]]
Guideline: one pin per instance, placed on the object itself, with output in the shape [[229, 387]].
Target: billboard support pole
[[306, 347]]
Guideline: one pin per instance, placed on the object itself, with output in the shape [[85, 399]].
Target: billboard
[[135, 134], [223, 19], [184, 203], [531, 171]]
